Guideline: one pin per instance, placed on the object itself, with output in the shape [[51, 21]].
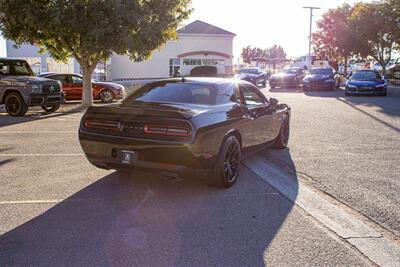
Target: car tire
[[106, 96], [226, 169], [51, 108], [15, 105], [283, 138]]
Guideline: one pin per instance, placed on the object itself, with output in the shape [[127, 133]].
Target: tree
[[334, 36], [273, 54], [375, 37], [93, 30], [246, 54]]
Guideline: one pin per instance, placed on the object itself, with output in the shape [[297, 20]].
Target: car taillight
[[100, 124], [169, 130]]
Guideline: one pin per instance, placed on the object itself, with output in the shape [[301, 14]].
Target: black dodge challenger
[[197, 126]]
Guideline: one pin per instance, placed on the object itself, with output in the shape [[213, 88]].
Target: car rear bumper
[[42, 99], [150, 156]]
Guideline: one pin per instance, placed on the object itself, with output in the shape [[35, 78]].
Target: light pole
[[311, 8]]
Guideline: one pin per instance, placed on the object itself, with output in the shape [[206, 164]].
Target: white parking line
[[31, 201], [42, 155], [38, 132]]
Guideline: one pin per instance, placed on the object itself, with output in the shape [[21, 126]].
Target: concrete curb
[[373, 241]]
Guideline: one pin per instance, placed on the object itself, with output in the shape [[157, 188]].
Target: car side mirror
[[273, 101]]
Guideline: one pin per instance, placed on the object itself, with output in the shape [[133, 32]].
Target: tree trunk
[[87, 94], [345, 65]]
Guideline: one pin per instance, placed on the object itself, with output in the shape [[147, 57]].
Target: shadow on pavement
[[147, 220], [286, 90], [4, 162], [6, 120], [387, 105]]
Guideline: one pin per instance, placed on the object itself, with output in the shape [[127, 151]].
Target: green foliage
[[365, 29], [93, 30], [271, 54], [333, 37], [376, 37]]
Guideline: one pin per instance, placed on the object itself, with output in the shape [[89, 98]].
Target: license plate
[[128, 157]]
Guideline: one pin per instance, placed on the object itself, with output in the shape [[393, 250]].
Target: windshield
[[173, 92], [251, 71], [321, 71], [365, 76], [290, 70], [15, 68]]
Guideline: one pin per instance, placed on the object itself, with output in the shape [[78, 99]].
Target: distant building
[[198, 44]]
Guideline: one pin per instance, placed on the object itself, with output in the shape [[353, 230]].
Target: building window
[[204, 61], [192, 62], [174, 67]]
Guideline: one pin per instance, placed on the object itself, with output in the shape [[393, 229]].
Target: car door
[[77, 86], [263, 120]]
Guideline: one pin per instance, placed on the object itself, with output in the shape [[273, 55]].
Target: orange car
[[73, 86]]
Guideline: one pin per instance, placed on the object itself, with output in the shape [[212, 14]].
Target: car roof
[[11, 59], [321, 68], [57, 73]]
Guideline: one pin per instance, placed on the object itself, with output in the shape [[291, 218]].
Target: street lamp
[[311, 8]]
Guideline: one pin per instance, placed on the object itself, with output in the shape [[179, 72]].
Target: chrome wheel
[[106, 96]]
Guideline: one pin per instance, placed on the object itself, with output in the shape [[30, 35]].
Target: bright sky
[[260, 23], [263, 23]]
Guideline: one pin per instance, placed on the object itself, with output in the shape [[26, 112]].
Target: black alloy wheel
[[106, 96], [15, 105], [226, 169], [283, 138], [51, 108]]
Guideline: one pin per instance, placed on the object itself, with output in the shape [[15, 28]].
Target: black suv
[[20, 89]]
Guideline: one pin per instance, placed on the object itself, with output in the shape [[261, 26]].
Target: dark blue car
[[321, 78], [366, 82]]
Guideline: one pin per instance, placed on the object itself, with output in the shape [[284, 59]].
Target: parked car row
[[320, 78], [21, 89]]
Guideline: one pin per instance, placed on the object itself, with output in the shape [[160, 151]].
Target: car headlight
[[380, 85], [351, 86], [36, 89]]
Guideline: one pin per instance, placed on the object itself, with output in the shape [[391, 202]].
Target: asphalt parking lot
[[57, 209]]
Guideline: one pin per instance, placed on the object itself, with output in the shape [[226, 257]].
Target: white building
[[198, 44]]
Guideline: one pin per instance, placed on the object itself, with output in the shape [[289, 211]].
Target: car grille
[[51, 88], [365, 89], [53, 99]]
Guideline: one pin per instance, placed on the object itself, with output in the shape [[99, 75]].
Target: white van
[[308, 62]]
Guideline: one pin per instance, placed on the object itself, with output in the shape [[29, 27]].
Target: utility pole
[[311, 8]]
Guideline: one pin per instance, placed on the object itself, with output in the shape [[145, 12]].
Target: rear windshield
[[15, 68], [175, 92], [366, 76], [321, 71]]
